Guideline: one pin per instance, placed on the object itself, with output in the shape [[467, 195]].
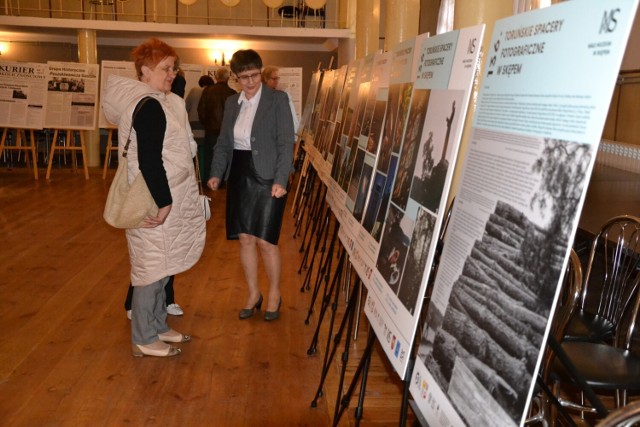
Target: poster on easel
[[118, 68], [291, 82], [532, 147], [192, 74], [421, 139], [23, 94], [72, 95], [363, 193]]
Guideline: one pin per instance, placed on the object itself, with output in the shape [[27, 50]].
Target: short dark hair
[[205, 81], [246, 59]]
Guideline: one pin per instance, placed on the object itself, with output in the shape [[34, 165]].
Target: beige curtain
[[520, 6], [445, 16]]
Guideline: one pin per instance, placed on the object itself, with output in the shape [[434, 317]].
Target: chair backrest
[[567, 303], [611, 276], [626, 416]]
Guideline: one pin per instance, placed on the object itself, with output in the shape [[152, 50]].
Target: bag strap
[[198, 178], [133, 117]]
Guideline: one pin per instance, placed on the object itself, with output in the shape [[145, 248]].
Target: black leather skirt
[[250, 207]]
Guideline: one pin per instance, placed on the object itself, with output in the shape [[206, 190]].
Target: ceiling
[[120, 33]]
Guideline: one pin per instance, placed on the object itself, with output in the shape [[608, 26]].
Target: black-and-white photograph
[[414, 270], [363, 189], [375, 200], [499, 306], [437, 144], [394, 246], [376, 231], [410, 146], [355, 175], [376, 127], [401, 118]]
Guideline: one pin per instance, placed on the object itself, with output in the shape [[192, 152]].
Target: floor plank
[[65, 355]]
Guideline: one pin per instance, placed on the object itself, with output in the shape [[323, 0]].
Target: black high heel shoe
[[273, 315], [245, 313]]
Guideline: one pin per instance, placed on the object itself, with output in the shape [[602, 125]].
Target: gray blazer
[[272, 137]]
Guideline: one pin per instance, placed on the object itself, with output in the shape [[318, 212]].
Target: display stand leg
[[324, 270], [577, 377], [331, 350], [107, 155], [304, 202], [327, 257], [313, 347], [312, 216], [313, 225], [303, 177], [22, 143], [323, 235], [361, 370], [71, 146]]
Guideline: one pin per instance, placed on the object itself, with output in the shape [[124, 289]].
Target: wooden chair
[[611, 279], [567, 303]]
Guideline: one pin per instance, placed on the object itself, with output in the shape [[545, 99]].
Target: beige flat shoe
[[157, 349], [174, 336]]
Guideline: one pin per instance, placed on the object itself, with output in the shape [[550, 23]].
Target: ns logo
[[609, 21]]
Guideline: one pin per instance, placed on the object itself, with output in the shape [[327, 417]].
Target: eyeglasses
[[274, 78], [247, 77], [168, 70]]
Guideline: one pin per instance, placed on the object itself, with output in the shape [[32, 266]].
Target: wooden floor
[[65, 356]]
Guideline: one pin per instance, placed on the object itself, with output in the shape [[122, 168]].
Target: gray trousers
[[148, 312]]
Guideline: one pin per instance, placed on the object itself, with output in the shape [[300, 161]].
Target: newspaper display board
[[305, 120], [192, 73], [291, 82], [72, 95], [535, 134], [118, 68], [23, 94], [420, 142]]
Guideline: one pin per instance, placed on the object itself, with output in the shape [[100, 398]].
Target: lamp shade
[[187, 2], [230, 3], [315, 4], [273, 3]]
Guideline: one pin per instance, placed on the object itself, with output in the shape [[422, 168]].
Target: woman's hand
[[154, 221], [278, 191], [213, 183]]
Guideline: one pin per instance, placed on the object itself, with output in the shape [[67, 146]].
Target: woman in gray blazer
[[254, 154]]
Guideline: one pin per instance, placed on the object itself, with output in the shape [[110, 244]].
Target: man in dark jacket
[[210, 110]]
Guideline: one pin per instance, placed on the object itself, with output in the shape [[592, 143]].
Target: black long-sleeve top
[[150, 124]]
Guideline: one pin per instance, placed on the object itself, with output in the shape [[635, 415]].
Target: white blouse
[[244, 122]]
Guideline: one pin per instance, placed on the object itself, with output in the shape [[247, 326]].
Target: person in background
[[255, 153], [179, 83], [210, 111], [191, 102], [162, 150], [271, 77]]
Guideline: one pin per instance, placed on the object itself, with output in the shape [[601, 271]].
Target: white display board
[[546, 88], [118, 68], [418, 152], [72, 95], [23, 94]]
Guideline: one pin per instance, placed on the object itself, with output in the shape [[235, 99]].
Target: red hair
[[150, 53]]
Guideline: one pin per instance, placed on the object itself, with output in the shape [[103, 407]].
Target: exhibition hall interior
[[460, 242]]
